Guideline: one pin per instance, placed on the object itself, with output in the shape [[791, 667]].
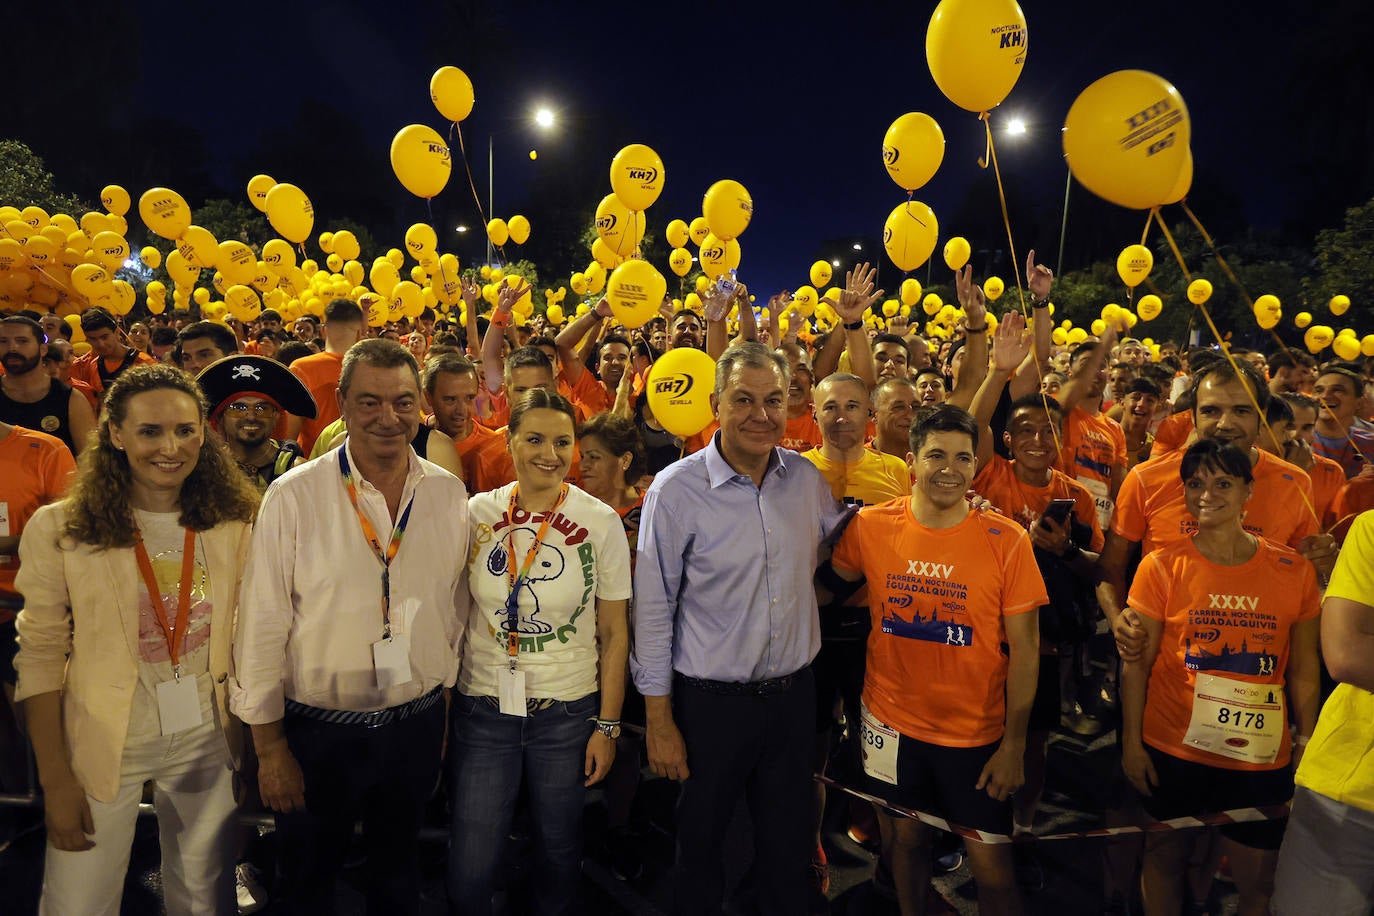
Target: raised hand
[[1010, 343], [471, 291], [971, 298], [858, 293], [511, 294], [1039, 278]]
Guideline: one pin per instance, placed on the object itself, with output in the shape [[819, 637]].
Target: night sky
[[793, 104]]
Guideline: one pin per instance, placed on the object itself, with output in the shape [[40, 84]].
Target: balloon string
[[1173, 246], [1006, 218], [455, 127], [1235, 367]]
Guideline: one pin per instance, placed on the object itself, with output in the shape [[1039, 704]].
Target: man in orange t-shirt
[[343, 327], [1094, 446], [802, 432], [945, 710], [109, 355], [451, 387], [1151, 513]]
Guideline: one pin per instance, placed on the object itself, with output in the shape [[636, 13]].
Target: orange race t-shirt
[[492, 466], [1093, 450], [319, 372], [590, 396], [1025, 503], [469, 447], [1232, 621], [1328, 479], [1150, 507], [1355, 497], [936, 671], [86, 369], [35, 469], [1172, 433], [802, 433]]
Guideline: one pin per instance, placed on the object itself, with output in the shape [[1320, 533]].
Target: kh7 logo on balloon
[[891, 155], [437, 148], [646, 175], [605, 223], [674, 386]]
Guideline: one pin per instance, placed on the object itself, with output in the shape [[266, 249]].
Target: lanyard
[[370, 535], [516, 580], [175, 634]]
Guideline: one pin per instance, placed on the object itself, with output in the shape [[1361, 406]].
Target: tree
[[26, 182], [1344, 263], [230, 220]]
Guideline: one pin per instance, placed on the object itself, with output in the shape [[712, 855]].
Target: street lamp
[[544, 119]]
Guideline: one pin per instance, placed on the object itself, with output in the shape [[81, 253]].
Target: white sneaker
[[250, 893]]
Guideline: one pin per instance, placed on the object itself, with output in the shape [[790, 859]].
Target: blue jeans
[[492, 754]]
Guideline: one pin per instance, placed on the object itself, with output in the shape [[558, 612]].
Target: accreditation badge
[[1237, 719]]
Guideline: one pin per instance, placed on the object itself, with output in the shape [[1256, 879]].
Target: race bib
[[879, 745], [1237, 719], [1101, 501]]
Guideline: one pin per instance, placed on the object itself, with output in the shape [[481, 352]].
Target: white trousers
[[194, 799]]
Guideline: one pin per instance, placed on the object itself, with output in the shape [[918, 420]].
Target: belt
[[374, 719], [744, 688]]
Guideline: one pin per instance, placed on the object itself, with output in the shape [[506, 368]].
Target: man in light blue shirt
[[726, 626]]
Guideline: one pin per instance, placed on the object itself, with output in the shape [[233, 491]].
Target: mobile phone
[[1059, 510]]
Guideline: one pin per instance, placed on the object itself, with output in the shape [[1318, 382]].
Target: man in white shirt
[[350, 621]]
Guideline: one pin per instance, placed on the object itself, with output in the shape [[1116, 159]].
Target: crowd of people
[[377, 560]]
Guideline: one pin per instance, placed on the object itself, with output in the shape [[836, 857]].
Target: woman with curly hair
[[130, 586]]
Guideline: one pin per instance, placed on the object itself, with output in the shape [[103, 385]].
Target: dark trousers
[[758, 746], [383, 776]]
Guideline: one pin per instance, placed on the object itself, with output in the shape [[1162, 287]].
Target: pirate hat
[[226, 380]]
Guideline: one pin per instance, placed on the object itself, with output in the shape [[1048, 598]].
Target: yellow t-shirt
[[1339, 762], [875, 478]]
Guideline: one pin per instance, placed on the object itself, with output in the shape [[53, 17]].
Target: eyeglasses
[[260, 409]]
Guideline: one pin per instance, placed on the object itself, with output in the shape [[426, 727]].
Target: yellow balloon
[[496, 274], [637, 176], [1134, 264], [680, 261], [243, 303], [728, 208], [384, 277], [578, 282], [1077, 336], [679, 390], [820, 273], [451, 92], [421, 239], [407, 299], [1318, 338], [717, 256], [346, 245], [258, 186], [237, 262], [911, 291], [1183, 183], [397, 257], [913, 148], [198, 246], [1367, 345], [1267, 303], [278, 256], [353, 271], [635, 292], [1339, 305], [1059, 336], [890, 308], [676, 234], [692, 302], [290, 212], [1149, 307], [110, 249], [932, 304], [182, 273], [1346, 347], [957, 252], [698, 230], [1199, 291], [421, 160], [151, 257], [115, 199], [1098, 327], [164, 212], [519, 228], [596, 278], [909, 234], [201, 295], [618, 226], [554, 314], [1302, 319], [604, 255], [498, 231], [1126, 138], [334, 263], [703, 284], [976, 49], [993, 288]]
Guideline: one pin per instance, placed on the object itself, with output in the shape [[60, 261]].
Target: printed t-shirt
[[319, 372], [1094, 448], [997, 482], [937, 596], [802, 433], [875, 478], [1172, 433], [1339, 762], [164, 538], [1150, 507], [1232, 621], [584, 557], [35, 469]]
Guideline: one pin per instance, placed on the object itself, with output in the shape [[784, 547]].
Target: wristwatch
[[608, 727], [1040, 303]]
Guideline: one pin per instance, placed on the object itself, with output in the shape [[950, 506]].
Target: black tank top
[[50, 414], [421, 441]]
